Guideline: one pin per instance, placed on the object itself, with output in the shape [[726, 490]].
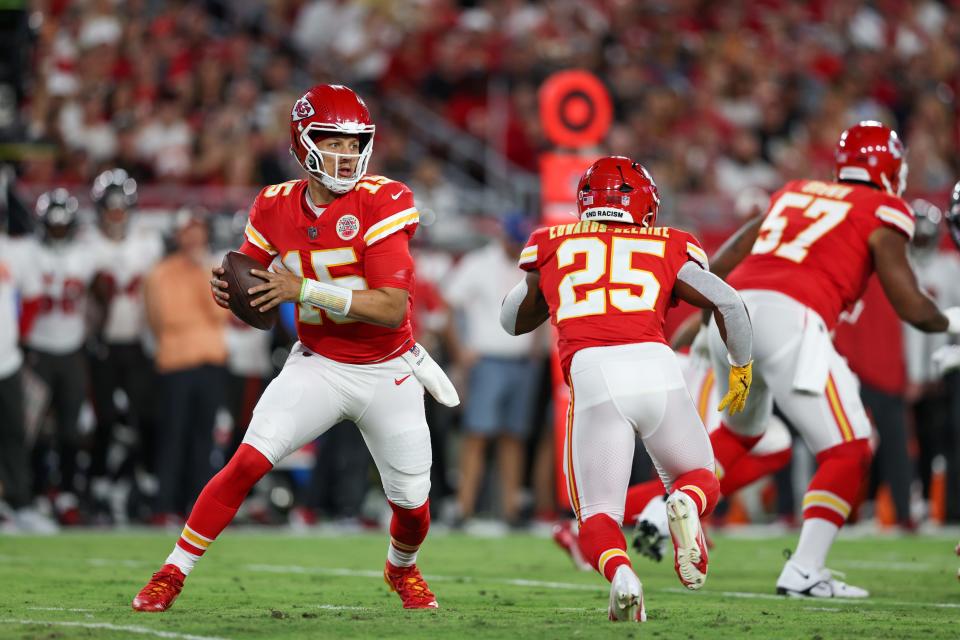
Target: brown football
[[236, 273]]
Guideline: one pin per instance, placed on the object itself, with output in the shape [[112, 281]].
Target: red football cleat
[[410, 586], [161, 591], [567, 539]]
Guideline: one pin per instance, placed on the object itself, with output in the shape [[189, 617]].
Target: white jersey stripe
[[390, 224], [256, 238], [897, 218]]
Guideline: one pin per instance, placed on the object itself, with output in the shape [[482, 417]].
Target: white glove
[[431, 376], [946, 359], [953, 316]]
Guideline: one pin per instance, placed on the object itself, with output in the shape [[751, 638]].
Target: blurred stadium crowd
[[722, 101]]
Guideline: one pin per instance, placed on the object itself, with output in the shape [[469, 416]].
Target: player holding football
[[606, 283], [338, 241], [809, 260]]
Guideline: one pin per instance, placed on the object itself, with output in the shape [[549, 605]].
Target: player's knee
[[407, 491], [855, 454], [246, 466]]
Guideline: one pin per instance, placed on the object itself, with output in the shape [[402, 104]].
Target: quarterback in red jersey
[[797, 269], [336, 244], [606, 283]]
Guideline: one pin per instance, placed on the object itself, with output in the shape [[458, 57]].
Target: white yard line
[[110, 627], [57, 609], [880, 565], [298, 569], [337, 607]]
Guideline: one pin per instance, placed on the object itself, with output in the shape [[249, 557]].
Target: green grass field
[[278, 586]]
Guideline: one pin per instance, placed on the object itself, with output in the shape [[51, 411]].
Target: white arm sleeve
[[735, 318], [511, 307]]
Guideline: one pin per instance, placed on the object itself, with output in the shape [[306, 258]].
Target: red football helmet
[[618, 189], [324, 111], [870, 151]]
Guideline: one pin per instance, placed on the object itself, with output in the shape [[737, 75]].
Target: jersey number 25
[[619, 269]]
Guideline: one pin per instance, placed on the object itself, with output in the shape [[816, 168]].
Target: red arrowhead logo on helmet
[[302, 109]]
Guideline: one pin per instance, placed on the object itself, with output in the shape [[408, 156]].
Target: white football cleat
[[803, 582], [626, 597], [690, 547]]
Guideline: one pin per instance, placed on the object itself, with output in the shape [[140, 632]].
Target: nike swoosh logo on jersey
[[397, 195], [399, 381]]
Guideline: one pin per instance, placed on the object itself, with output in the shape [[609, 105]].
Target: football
[[236, 272]]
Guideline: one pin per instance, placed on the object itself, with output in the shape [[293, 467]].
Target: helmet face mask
[[331, 111], [617, 189], [114, 193], [57, 213]]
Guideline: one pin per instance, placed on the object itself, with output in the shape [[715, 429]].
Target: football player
[[797, 269], [118, 360], [54, 344], [606, 283], [338, 243]]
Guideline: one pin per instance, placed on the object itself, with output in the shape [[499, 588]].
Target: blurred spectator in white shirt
[[500, 368]]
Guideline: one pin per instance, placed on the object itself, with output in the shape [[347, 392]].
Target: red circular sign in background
[[575, 109]]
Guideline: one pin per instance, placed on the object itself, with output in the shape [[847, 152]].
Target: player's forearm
[[731, 313], [385, 306], [735, 249], [923, 313]]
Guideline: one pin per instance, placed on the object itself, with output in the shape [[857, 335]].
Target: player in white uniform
[[117, 360], [66, 268], [19, 302]]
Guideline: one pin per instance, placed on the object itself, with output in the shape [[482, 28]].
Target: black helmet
[[953, 214], [114, 189], [927, 230], [57, 213]]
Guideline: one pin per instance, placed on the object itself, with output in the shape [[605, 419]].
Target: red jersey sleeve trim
[[897, 219], [257, 239], [391, 224], [256, 253]]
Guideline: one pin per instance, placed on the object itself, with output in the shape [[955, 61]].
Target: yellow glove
[[740, 379]]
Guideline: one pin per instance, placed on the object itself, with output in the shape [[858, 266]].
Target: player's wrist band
[[326, 296]]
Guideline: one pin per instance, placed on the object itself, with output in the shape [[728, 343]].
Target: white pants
[[790, 339], [702, 383], [616, 394], [313, 393]]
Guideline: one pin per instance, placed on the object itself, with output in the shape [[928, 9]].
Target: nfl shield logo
[[312, 233]]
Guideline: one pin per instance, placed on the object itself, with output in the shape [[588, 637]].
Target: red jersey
[[813, 246], [358, 241], [608, 284]]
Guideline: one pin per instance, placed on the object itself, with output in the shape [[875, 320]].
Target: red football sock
[[702, 486], [835, 487], [639, 496], [750, 468], [729, 446], [603, 544], [408, 529], [218, 502]]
